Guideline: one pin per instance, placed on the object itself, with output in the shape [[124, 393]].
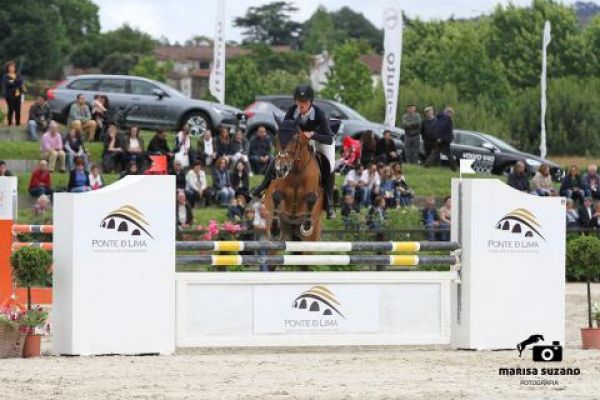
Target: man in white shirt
[[195, 184], [351, 184]]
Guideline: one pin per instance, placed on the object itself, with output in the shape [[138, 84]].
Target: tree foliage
[[270, 24], [149, 67]]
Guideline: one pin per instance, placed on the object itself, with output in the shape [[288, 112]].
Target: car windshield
[[502, 145], [350, 112]]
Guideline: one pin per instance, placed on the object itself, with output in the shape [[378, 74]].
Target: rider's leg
[[269, 176], [328, 176]]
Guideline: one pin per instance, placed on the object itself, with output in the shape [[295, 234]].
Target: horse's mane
[[287, 129]]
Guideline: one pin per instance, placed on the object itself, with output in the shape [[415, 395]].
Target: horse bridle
[[295, 164]]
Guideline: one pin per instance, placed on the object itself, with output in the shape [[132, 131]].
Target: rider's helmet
[[304, 92]]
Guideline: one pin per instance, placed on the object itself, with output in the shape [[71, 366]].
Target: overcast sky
[[179, 20]]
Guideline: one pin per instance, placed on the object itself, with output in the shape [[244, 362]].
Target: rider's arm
[[323, 133]]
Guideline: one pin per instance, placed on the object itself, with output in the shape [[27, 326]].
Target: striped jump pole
[[391, 260], [39, 245], [398, 247], [33, 228]]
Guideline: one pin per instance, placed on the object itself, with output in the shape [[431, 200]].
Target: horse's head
[[287, 146]]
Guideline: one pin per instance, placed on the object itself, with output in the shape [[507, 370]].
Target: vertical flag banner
[[392, 48], [546, 42], [216, 82]]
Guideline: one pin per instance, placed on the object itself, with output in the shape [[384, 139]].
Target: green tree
[[149, 67], [354, 25], [349, 80], [281, 82], [80, 18], [118, 63], [242, 83], [270, 24], [319, 33], [266, 59]]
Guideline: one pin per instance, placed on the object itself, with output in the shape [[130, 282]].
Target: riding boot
[[328, 185], [269, 176]]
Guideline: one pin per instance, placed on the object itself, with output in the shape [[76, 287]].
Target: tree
[[242, 83], [319, 33], [281, 82], [119, 63], [270, 24], [267, 60], [80, 18], [149, 67], [349, 80], [353, 25]]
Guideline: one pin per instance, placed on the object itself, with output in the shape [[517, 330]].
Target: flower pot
[[33, 346], [11, 341], [590, 338]]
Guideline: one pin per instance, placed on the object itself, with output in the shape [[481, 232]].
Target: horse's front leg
[[276, 222], [307, 226]]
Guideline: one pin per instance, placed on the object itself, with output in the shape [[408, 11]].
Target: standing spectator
[[370, 181], [96, 180], [428, 133], [350, 212], [179, 175], [411, 123], [195, 184], [445, 215], [571, 186], [183, 212], [542, 182], [402, 192], [12, 83], [51, 147], [39, 117], [80, 111], [134, 147], [591, 182], [221, 183], [444, 136], [158, 145], [368, 147], [586, 213], [4, 169], [241, 149], [518, 178], [74, 148], [385, 150], [240, 179], [351, 184], [40, 182], [112, 154], [183, 147], [207, 149], [572, 215], [430, 218], [79, 179], [224, 146], [377, 214], [260, 151]]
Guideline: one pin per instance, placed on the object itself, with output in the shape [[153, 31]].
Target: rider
[[314, 124]]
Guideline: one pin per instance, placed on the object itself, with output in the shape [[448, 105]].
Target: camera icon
[[548, 353]]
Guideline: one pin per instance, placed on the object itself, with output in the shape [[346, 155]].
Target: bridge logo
[[522, 223], [127, 220], [318, 299]]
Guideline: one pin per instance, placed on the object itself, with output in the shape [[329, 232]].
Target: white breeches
[[328, 150]]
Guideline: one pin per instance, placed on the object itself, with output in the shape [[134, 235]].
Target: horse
[[294, 198]]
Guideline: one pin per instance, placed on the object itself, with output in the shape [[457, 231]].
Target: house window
[[204, 64]]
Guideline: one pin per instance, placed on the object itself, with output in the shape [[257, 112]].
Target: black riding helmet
[[304, 92]]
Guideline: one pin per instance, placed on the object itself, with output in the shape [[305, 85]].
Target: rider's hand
[[309, 135]]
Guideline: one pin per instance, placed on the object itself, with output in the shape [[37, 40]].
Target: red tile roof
[[193, 53]]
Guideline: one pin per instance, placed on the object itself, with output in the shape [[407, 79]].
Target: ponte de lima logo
[[518, 230], [317, 308], [128, 230]]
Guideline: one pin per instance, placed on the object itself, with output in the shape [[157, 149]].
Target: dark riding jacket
[[317, 122]]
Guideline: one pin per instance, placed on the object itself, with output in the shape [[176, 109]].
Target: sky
[[179, 20]]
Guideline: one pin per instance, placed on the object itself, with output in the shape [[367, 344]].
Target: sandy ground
[[324, 373]]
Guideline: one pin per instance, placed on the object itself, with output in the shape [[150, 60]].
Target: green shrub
[[31, 267], [583, 258]]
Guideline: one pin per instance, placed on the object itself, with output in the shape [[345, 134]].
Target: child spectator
[[134, 147], [96, 180], [74, 148], [195, 185], [100, 107], [235, 212], [79, 179], [445, 215], [40, 182], [222, 184], [51, 146], [377, 214], [41, 208], [387, 188], [402, 191], [430, 218], [260, 228], [183, 211], [112, 154]]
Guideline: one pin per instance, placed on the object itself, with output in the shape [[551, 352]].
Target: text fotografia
[[119, 244]]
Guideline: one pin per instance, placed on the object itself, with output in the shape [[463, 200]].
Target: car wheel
[[198, 122]]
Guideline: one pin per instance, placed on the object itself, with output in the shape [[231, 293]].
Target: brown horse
[[294, 198]]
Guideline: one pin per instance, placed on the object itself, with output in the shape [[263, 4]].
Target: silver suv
[[152, 104]]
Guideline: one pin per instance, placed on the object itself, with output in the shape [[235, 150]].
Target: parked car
[[155, 105], [352, 123]]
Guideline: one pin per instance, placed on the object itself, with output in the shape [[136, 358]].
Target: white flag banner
[[216, 82], [466, 166], [546, 42], [392, 53]]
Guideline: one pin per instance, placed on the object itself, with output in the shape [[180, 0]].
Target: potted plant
[[31, 267], [11, 338], [583, 255]]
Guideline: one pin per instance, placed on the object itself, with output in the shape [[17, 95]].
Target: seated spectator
[[571, 186], [352, 185], [591, 182], [368, 147], [80, 111], [158, 145], [51, 147], [370, 182], [235, 212], [542, 182], [240, 179], [134, 148], [385, 150], [518, 178], [183, 147], [179, 175], [260, 151], [572, 215], [586, 213], [41, 207], [221, 183], [207, 149], [224, 145], [430, 218], [350, 213], [100, 107], [96, 180], [195, 185], [388, 188], [241, 149], [39, 117], [445, 215], [112, 154], [41, 181], [377, 214], [596, 217], [403, 192], [4, 170], [347, 160], [74, 148], [79, 179], [132, 169], [183, 212]]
